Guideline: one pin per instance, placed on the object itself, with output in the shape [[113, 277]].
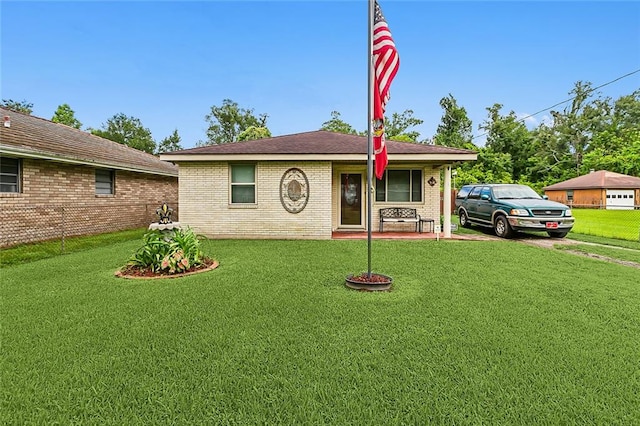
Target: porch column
[[446, 202]]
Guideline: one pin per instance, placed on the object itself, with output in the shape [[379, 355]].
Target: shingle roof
[[36, 137], [317, 142], [601, 179]]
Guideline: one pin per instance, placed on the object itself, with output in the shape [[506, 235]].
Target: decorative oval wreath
[[294, 190]]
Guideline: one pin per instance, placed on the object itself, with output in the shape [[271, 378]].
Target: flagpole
[[369, 136]]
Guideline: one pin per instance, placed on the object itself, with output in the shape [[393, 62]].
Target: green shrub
[[173, 251]]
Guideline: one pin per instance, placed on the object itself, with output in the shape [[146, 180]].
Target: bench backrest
[[398, 212]]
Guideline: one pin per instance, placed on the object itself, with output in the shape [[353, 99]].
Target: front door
[[351, 199]]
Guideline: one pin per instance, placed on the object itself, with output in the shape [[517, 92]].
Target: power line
[[568, 100]]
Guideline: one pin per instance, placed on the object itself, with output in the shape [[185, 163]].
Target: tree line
[[591, 132]]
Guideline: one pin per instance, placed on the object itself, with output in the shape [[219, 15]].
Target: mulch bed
[[136, 272], [375, 278]]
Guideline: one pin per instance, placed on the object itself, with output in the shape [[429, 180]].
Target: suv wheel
[[502, 228], [464, 220], [557, 234]]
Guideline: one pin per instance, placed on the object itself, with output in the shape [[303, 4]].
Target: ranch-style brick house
[[57, 181], [308, 185]]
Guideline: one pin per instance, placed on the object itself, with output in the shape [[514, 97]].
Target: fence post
[[63, 224]]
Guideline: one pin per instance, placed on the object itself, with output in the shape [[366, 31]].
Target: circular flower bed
[[166, 254], [138, 272]]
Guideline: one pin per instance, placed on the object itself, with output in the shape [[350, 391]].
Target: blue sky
[[167, 63]]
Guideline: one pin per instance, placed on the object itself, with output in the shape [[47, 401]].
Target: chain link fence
[[621, 223], [55, 223]]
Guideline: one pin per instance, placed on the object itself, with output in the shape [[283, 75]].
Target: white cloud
[[530, 121]]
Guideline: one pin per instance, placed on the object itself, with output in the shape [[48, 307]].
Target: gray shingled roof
[[31, 136], [317, 142], [601, 179]]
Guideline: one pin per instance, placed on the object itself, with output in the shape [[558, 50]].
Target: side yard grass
[[474, 332], [619, 224], [26, 253], [612, 252]]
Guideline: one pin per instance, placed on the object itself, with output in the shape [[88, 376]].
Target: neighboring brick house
[[306, 185], [56, 180], [601, 189]]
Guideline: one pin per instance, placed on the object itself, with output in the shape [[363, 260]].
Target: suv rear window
[[475, 193], [463, 192]]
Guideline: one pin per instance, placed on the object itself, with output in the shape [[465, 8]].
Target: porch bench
[[399, 214]]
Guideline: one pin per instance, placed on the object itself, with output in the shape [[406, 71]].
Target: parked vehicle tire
[[502, 228], [464, 220], [557, 234]]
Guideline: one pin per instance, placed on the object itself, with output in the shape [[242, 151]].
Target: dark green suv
[[509, 208]]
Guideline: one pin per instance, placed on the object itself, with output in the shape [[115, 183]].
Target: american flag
[[385, 63]]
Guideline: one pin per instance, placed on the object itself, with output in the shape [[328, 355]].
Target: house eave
[[438, 157], [22, 153]]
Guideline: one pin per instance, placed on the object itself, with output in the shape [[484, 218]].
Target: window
[[485, 191], [243, 184], [464, 191], [9, 174], [105, 180], [570, 195], [400, 186], [475, 193]]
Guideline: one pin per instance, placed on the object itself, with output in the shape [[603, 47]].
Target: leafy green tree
[[18, 106], [575, 125], [455, 128], [552, 161], [65, 115], [508, 135], [336, 124], [397, 127], [490, 167], [128, 131], [252, 133], [170, 143], [228, 121], [618, 153]]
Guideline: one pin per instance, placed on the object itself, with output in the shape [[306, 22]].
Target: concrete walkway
[[362, 235]]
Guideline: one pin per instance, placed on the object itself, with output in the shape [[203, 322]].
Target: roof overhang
[[436, 157], [22, 153]]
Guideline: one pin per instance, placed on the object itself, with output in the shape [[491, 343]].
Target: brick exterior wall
[[59, 197], [205, 201]]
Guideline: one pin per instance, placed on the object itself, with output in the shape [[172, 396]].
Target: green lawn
[[608, 251], [26, 253], [621, 224], [472, 333]]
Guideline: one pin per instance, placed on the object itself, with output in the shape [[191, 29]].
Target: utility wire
[[564, 102]]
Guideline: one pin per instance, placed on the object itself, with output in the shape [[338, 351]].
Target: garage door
[[620, 199]]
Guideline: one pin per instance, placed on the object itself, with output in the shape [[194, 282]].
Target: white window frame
[[385, 177], [100, 182], [7, 179], [233, 184]]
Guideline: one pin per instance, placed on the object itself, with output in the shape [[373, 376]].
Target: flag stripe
[[385, 64]]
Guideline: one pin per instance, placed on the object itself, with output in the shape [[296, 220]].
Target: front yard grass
[[473, 332]]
